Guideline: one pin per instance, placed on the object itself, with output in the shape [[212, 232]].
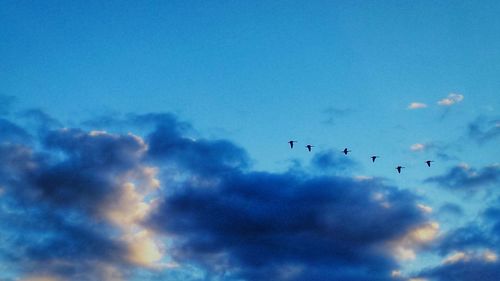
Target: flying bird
[[399, 169], [429, 162], [309, 147], [291, 143], [374, 157], [345, 151]]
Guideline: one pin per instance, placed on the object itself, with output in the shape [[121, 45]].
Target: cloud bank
[[91, 204]]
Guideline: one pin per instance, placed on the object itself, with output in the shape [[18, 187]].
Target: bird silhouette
[[399, 169], [345, 151], [309, 147], [429, 162], [291, 143], [374, 157]]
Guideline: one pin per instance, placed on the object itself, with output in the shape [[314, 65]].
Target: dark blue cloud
[[205, 157], [466, 238], [218, 215], [10, 132], [474, 270], [492, 216], [54, 193], [40, 238], [260, 226]]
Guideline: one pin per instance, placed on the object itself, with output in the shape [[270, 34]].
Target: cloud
[[451, 99], [88, 204], [75, 200], [465, 268], [333, 114], [484, 129], [465, 239], [469, 254], [41, 118], [12, 132], [463, 177], [201, 156], [406, 247], [440, 150], [417, 105], [451, 209], [258, 226], [330, 160], [417, 147]]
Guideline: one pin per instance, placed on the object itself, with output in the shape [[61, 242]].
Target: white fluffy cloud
[[451, 99], [417, 147], [417, 105]]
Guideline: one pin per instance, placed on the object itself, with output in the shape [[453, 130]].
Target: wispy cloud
[[330, 160], [333, 114], [417, 105], [463, 177], [484, 129], [451, 99], [440, 149]]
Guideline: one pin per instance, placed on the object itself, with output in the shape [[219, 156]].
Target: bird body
[[374, 157], [291, 143], [399, 169], [429, 162], [309, 147], [345, 151]]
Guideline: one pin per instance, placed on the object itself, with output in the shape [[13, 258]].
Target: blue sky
[[117, 117]]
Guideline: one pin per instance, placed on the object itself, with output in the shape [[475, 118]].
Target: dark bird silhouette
[[399, 168], [309, 147], [429, 162], [374, 157], [291, 143], [345, 151]]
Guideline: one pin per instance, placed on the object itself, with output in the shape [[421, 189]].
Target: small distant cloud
[[417, 105], [417, 147], [424, 208], [451, 99]]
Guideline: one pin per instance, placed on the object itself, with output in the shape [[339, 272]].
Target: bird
[[291, 143], [374, 157], [429, 162], [309, 147], [345, 151], [399, 168]]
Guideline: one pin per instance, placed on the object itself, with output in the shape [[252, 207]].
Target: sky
[[148, 140]]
